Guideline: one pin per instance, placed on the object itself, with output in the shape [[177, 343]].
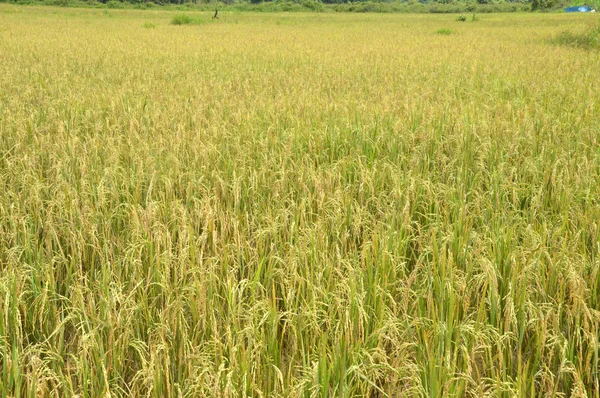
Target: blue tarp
[[579, 9]]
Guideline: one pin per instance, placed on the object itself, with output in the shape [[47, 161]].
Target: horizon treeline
[[433, 6]]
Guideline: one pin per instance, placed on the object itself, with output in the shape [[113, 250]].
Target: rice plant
[[297, 205]]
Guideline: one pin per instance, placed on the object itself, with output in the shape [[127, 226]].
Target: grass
[[183, 19], [444, 32], [588, 39], [297, 205]]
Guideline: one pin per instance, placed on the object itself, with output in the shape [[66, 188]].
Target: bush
[[115, 4], [312, 5], [461, 18], [182, 19]]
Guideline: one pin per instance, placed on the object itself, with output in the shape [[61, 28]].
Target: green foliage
[[544, 5], [375, 6], [588, 40], [444, 32], [182, 19], [312, 5], [149, 25], [461, 18], [115, 4]]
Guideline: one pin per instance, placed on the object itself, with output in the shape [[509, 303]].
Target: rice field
[[298, 205]]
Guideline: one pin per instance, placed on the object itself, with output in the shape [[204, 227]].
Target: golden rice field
[[297, 205]]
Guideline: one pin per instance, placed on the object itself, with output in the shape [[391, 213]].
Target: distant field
[[298, 205]]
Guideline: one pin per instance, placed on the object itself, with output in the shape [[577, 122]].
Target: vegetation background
[[361, 6], [299, 204]]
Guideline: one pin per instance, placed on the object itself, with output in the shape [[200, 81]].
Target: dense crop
[[297, 205]]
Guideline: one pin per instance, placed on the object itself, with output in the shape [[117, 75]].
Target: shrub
[[461, 18], [115, 4], [182, 19], [444, 32], [312, 5]]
